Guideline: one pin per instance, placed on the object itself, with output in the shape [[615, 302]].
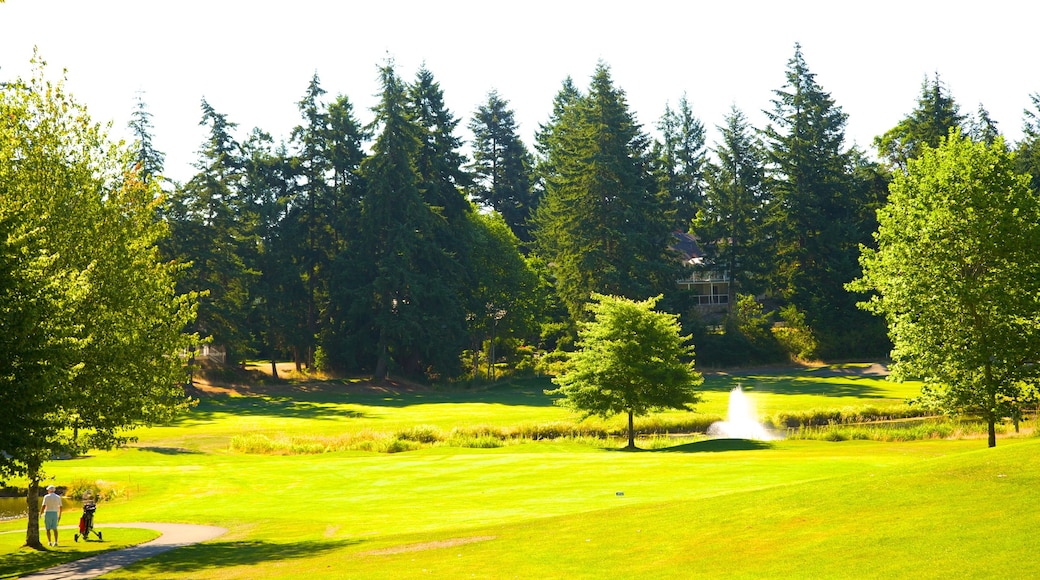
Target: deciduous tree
[[91, 320], [957, 279], [630, 359]]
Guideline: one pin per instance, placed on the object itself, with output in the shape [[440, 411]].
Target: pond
[[14, 507]]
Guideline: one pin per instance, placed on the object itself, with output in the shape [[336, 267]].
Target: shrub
[[421, 434], [97, 490]]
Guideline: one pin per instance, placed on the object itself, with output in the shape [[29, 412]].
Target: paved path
[[173, 536]]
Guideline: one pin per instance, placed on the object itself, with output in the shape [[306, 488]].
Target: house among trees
[[704, 279]]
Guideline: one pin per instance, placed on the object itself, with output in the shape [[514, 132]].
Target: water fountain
[[740, 422]]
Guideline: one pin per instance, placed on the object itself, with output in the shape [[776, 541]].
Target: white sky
[[252, 60]]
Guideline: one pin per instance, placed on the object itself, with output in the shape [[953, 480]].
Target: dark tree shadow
[[717, 446], [323, 404], [253, 406], [216, 555], [170, 450], [798, 383]]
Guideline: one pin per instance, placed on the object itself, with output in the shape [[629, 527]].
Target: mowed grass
[[16, 560], [565, 508]]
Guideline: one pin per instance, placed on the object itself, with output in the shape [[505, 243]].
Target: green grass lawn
[[16, 561], [566, 508]]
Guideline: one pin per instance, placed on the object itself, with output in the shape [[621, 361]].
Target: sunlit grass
[[501, 483]]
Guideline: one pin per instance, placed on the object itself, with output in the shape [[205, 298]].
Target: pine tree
[[679, 163], [731, 225], [501, 165], [275, 322], [204, 216], [600, 224], [398, 270], [146, 156], [936, 114], [982, 127], [814, 215], [1027, 160]]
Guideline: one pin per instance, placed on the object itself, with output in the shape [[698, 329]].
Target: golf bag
[[86, 523]]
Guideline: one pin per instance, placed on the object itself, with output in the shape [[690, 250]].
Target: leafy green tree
[[957, 279], [505, 303], [815, 217], [936, 113], [630, 359], [600, 224], [502, 165], [679, 159], [91, 320]]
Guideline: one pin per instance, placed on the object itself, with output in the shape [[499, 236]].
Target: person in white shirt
[[51, 514]]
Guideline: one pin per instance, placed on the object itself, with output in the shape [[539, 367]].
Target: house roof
[[686, 246]]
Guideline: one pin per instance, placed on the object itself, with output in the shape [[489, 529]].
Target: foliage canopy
[[957, 278], [630, 359]]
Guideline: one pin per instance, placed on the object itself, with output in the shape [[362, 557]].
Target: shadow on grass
[[799, 383], [268, 407], [216, 555], [328, 405], [170, 450], [717, 445]]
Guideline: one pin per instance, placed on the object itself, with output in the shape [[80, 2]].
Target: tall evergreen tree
[[399, 286], [440, 161], [601, 225], [814, 214], [146, 156], [204, 218], [731, 225], [346, 152], [1027, 160], [502, 165], [926, 125], [546, 142], [982, 127], [310, 208], [679, 163], [275, 323]]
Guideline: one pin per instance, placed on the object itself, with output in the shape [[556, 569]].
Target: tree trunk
[[631, 431], [274, 369], [992, 432], [379, 375], [32, 501]]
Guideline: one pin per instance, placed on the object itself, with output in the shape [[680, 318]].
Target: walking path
[[173, 536]]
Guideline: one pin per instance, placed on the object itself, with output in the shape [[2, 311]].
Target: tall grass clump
[[892, 432], [421, 434], [848, 415]]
